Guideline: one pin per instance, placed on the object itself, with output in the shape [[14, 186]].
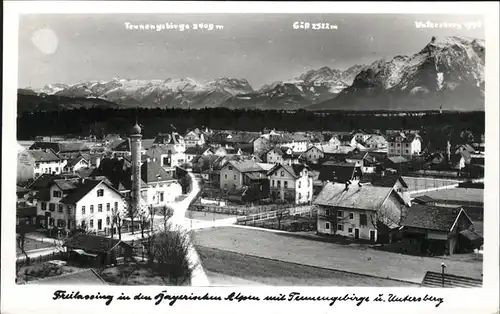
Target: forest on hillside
[[102, 121]]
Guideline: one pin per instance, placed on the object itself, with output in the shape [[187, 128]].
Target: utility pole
[[443, 266]]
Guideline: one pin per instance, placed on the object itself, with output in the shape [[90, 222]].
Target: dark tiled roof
[[424, 199], [118, 172], [46, 179], [92, 243], [246, 166], [43, 155], [294, 169], [397, 159], [339, 172], [152, 172], [196, 150], [73, 161], [366, 197], [60, 147], [388, 181], [80, 190], [431, 217]]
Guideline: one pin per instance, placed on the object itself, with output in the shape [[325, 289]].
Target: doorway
[[372, 235], [356, 233]]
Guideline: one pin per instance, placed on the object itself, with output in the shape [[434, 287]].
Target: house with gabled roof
[[69, 204], [331, 171], [76, 163], [193, 151], [235, 173], [404, 144], [362, 210], [376, 141], [291, 183], [440, 230], [31, 163], [162, 186], [313, 154], [282, 155], [123, 149], [97, 250]]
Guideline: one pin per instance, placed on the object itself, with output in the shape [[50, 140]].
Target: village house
[[292, 183], [376, 141], [346, 139], [364, 160], [362, 210], [62, 149], [332, 140], [123, 149], [341, 172], [70, 204], [162, 187], [282, 155], [440, 230], [193, 151], [406, 145], [261, 145], [33, 163], [75, 164], [313, 155], [97, 251], [194, 138], [233, 173]]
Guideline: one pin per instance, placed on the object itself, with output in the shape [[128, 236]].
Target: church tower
[[135, 149]]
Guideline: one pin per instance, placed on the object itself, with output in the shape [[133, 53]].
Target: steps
[[434, 279]]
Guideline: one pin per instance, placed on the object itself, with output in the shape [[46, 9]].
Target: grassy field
[[420, 183], [334, 256], [229, 268], [30, 245]]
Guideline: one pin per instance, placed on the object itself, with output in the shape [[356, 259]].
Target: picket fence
[[274, 214]]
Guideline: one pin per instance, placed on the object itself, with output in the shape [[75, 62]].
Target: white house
[[194, 138], [402, 144], [376, 141], [362, 159], [78, 203], [291, 183], [362, 211], [162, 187], [33, 163], [75, 164]]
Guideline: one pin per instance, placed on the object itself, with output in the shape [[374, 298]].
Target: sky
[[262, 48]]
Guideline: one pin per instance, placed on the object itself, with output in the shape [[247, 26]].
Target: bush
[[168, 256]]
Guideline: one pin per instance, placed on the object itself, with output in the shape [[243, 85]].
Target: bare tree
[[144, 218], [166, 212], [117, 216], [131, 210], [21, 231]]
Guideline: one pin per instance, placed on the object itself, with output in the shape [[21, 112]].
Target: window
[[399, 145], [327, 225], [99, 208], [60, 223], [309, 182], [230, 168], [299, 184], [100, 192], [44, 206], [340, 227], [60, 208], [108, 207], [225, 176], [52, 207], [407, 151], [51, 222], [91, 209], [339, 213], [161, 196], [108, 221], [272, 183], [279, 183], [300, 196], [91, 223], [363, 220], [349, 230], [327, 212], [99, 224], [286, 184], [56, 169], [234, 177], [57, 194], [282, 173], [83, 210], [116, 205], [83, 225], [351, 216]]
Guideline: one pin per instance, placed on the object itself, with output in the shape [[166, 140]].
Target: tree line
[[100, 121]]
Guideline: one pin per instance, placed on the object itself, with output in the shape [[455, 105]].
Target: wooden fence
[[274, 214], [42, 258]]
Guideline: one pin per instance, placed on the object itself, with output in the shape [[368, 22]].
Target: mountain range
[[447, 73]]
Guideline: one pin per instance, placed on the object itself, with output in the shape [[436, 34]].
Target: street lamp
[[443, 266]]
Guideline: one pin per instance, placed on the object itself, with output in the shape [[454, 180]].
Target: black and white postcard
[[225, 156]]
